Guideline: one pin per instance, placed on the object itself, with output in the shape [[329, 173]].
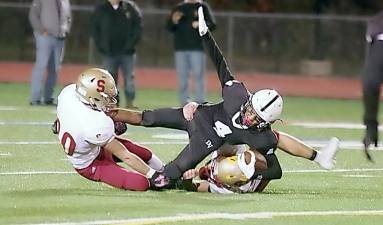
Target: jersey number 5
[[221, 129]]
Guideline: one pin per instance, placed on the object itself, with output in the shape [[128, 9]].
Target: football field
[[39, 186]]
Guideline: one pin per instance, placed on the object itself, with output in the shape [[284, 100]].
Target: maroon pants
[[105, 169]]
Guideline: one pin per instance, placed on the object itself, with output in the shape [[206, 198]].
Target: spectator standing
[[51, 22], [116, 27], [373, 78], [189, 54]]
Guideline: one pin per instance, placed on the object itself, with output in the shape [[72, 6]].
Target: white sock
[[156, 163], [318, 157]]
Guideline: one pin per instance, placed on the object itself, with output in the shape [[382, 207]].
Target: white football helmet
[[96, 87], [267, 104]]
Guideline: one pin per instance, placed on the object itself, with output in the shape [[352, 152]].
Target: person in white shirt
[[87, 133]]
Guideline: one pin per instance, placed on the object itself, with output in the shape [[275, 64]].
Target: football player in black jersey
[[241, 117]]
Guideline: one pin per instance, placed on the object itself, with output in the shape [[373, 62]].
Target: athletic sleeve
[[213, 188], [100, 134], [274, 170], [217, 58]]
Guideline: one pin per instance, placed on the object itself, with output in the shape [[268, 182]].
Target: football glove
[[120, 128], [202, 27]]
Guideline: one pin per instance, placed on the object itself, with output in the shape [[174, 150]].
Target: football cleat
[[159, 181], [326, 157]]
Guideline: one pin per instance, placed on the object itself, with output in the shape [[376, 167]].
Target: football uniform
[[83, 131], [215, 186], [213, 124]]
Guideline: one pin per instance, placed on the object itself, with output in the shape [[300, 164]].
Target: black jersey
[[225, 118], [213, 124], [223, 121]]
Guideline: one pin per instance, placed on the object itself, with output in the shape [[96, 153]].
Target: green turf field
[[38, 186]]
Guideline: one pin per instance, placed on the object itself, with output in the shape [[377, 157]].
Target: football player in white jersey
[[86, 131], [229, 171]]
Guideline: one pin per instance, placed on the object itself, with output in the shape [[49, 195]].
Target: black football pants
[[202, 139], [371, 80]]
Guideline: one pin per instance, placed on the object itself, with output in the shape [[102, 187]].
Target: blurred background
[[310, 37]]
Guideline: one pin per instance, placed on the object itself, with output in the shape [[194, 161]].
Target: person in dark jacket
[[116, 27], [372, 80], [189, 54]]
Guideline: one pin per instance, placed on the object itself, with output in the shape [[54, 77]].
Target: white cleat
[[326, 157]]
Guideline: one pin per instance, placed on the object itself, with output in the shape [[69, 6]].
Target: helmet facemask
[[97, 89], [104, 104], [250, 118], [262, 109]]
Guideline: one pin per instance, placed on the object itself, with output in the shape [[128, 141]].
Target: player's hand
[[202, 27], [189, 110], [190, 174], [120, 128], [176, 16]]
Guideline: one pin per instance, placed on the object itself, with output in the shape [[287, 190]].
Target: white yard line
[[26, 123], [306, 124], [56, 142], [285, 171], [352, 145], [230, 216], [5, 154]]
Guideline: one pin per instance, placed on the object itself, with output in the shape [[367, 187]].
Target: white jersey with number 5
[[82, 130]]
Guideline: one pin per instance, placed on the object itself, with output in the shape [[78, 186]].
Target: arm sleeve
[[170, 26], [210, 19], [274, 170], [137, 25], [34, 16], [217, 58], [95, 29], [213, 188]]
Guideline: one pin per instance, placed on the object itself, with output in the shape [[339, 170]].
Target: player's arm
[[125, 115], [293, 146], [133, 161], [213, 50], [273, 171]]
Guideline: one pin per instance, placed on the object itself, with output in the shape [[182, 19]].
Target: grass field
[[38, 185]]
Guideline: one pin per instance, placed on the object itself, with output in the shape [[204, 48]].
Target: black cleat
[[159, 181]]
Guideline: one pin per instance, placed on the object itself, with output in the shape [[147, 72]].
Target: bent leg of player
[[105, 170], [199, 147], [166, 117], [144, 153]]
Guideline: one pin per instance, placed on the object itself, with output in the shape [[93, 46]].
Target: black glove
[[54, 127], [159, 181], [120, 128]]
